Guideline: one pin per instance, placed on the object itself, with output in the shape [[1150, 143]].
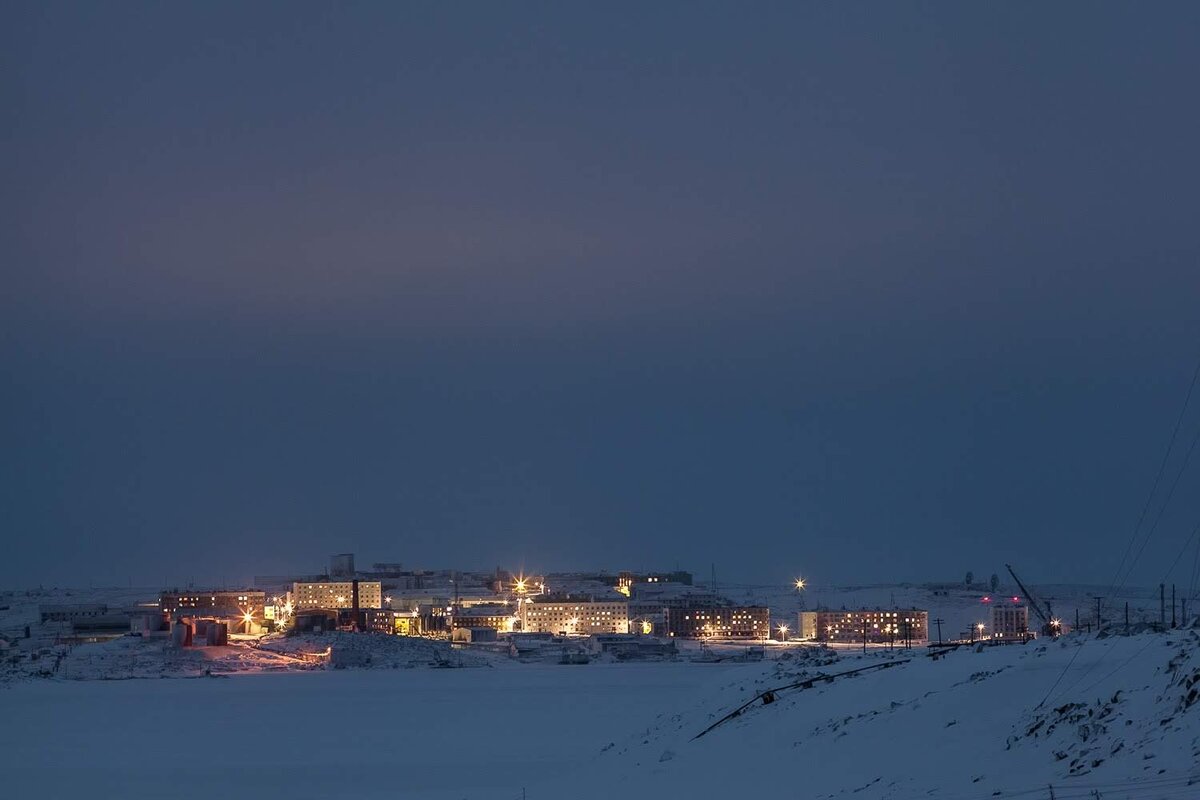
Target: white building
[[582, 617], [1010, 621], [336, 594]]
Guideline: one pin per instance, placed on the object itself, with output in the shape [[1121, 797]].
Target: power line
[[1158, 518], [1158, 476], [1141, 518]]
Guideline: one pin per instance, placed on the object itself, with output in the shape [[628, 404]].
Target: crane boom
[[1037, 607]]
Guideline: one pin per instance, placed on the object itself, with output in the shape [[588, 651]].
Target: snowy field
[[428, 733], [1122, 718], [134, 718]]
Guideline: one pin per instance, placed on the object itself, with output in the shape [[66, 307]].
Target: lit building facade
[[336, 594], [1010, 621], [497, 617], [233, 603], [567, 616], [704, 622], [874, 625]]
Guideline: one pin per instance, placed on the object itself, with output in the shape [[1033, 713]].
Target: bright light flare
[[800, 584]]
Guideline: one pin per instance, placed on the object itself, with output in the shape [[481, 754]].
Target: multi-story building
[[341, 565], [873, 625], [564, 615], [336, 594], [497, 616], [222, 603], [1010, 621], [732, 622]]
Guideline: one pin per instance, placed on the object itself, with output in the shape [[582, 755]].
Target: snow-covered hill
[[1120, 716]]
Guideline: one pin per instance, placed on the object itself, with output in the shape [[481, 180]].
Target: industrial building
[[1010, 621], [564, 615], [473, 635], [731, 622], [336, 594], [85, 616], [871, 625]]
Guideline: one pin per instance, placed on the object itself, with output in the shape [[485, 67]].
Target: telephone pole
[[1098, 598], [939, 622]]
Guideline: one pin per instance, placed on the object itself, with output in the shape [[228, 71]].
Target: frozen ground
[[1123, 719], [421, 733]]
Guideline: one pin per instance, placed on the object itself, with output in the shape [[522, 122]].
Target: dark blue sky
[[880, 292]]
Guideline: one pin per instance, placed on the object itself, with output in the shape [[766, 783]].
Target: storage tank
[[218, 634], [181, 634]]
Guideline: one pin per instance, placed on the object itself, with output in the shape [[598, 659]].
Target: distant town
[[570, 616]]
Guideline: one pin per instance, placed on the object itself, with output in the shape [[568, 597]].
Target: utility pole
[[1077, 619], [1126, 617], [939, 622], [864, 634], [1097, 598], [1172, 605], [1162, 605]]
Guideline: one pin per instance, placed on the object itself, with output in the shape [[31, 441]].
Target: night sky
[[863, 292]]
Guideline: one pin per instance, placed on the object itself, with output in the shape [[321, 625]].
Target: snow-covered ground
[[1118, 715], [1122, 716]]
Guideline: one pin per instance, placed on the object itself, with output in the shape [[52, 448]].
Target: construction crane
[[1050, 625]]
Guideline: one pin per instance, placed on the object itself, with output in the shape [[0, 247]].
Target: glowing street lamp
[[800, 585], [387, 600], [783, 629]]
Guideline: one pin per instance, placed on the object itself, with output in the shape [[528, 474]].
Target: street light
[[783, 629], [800, 586]]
